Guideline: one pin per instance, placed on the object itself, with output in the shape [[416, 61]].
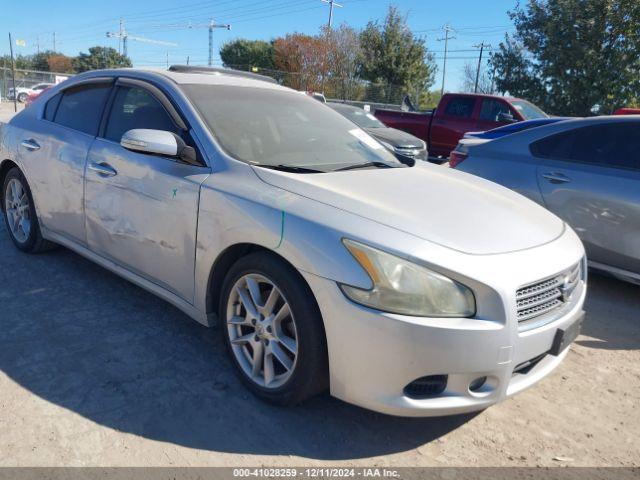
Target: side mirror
[[158, 142], [504, 117]]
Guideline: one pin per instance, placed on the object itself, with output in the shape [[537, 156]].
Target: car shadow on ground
[[84, 339], [612, 320]]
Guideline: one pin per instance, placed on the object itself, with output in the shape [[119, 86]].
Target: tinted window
[[81, 108], [51, 107], [135, 107], [491, 109], [614, 145], [460, 107]]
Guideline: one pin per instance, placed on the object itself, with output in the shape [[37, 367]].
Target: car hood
[[395, 137], [443, 206]]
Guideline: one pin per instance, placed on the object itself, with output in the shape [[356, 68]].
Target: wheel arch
[[5, 166], [224, 262]]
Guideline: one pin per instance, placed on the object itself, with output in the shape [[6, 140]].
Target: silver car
[[320, 255], [586, 171]]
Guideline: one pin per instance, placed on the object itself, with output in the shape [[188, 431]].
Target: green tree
[[572, 57], [100, 57], [244, 54], [394, 57]]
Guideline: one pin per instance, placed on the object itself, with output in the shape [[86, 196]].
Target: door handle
[[555, 177], [30, 144], [103, 169]]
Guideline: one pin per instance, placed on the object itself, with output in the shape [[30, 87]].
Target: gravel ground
[[96, 372]]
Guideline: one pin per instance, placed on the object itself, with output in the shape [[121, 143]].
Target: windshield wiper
[[289, 168], [365, 165]]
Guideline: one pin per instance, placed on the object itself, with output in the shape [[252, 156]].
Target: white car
[[413, 291], [24, 92]]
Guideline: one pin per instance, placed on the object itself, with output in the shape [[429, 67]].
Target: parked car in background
[[627, 111], [23, 93], [245, 203], [586, 171], [456, 115], [399, 142], [476, 138], [34, 95]]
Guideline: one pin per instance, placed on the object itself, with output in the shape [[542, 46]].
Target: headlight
[[406, 288]]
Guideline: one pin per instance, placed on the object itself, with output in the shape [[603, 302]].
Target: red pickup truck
[[457, 114]]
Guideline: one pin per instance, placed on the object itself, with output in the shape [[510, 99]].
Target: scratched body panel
[[145, 218]]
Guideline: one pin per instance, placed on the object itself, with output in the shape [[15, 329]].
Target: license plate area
[[565, 337]]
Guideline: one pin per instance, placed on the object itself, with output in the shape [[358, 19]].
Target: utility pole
[[54, 41], [167, 58], [187, 59], [13, 75], [120, 36], [38, 44], [213, 25], [331, 3], [481, 46], [447, 30]]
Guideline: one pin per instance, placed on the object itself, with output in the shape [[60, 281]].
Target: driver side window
[[135, 107]]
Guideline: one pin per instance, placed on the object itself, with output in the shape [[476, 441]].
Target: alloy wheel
[[262, 331], [18, 210]]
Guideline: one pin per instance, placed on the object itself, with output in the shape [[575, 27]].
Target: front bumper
[[373, 355]]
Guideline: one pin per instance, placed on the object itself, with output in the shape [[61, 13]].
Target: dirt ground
[[96, 372]]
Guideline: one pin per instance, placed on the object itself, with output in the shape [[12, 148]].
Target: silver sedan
[[327, 263], [586, 171]]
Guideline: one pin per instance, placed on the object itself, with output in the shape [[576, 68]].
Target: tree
[[60, 64], [393, 56], [100, 57], [343, 57], [304, 58], [39, 61], [485, 80], [572, 57], [244, 54]]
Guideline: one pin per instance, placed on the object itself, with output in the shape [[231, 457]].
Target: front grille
[[540, 298]]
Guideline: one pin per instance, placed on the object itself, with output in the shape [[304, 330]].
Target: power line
[[447, 30]]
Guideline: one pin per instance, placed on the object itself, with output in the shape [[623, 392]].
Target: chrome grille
[[540, 298]]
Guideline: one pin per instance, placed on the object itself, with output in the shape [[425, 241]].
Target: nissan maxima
[[326, 262]]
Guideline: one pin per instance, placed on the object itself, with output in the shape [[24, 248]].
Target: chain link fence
[[353, 90], [26, 79]]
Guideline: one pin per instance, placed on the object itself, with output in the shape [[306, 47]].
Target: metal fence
[[27, 79]]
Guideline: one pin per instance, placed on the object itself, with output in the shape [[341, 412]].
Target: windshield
[[358, 116], [280, 128], [528, 110]]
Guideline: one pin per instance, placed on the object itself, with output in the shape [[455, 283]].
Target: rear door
[[453, 118], [54, 151], [142, 209], [590, 177]]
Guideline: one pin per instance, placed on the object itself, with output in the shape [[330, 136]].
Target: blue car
[[514, 128]]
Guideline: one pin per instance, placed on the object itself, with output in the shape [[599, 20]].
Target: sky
[[80, 24]]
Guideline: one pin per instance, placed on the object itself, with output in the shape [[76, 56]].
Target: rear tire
[[22, 97], [20, 214], [273, 330]]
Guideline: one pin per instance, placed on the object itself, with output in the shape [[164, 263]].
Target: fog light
[[477, 384], [427, 387]]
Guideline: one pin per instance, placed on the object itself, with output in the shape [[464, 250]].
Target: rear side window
[[460, 107], [51, 107], [81, 108], [491, 109], [612, 145], [135, 107]]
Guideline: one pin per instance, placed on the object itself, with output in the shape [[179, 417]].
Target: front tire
[[273, 330], [22, 97], [20, 214]]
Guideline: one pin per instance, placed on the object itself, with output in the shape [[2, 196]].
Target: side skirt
[[198, 316]]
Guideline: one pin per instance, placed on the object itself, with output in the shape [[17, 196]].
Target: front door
[[142, 210]]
